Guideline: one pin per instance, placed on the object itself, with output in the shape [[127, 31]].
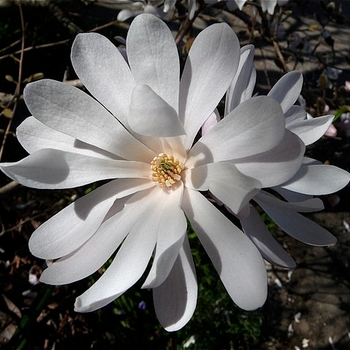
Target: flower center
[[166, 170]]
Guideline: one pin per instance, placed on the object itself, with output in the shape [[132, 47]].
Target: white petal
[[69, 110], [236, 259], [98, 249], [287, 90], [171, 231], [274, 167], [240, 4], [74, 225], [310, 130], [169, 4], [243, 83], [315, 179], [255, 126], [175, 300], [290, 195], [192, 6], [305, 206], [269, 248], [34, 135], [209, 69], [54, 169], [298, 226], [294, 114], [125, 14], [213, 119], [152, 116], [268, 5], [104, 72], [153, 57], [225, 182], [130, 262]]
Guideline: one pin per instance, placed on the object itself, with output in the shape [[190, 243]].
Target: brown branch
[[18, 86]]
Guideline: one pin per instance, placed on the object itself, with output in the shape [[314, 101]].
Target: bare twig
[[9, 187], [18, 86], [187, 25]]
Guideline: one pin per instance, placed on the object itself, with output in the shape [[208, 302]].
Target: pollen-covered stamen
[[166, 170]]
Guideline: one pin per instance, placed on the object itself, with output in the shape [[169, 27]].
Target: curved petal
[[236, 259], [255, 126], [104, 72], [130, 262], [175, 300], [315, 179], [310, 130], [153, 57], [225, 182], [305, 206], [69, 110], [213, 119], [294, 114], [74, 225], [209, 69], [171, 231], [291, 196], [269, 248], [276, 166], [54, 169], [287, 90], [152, 116], [34, 135], [298, 226], [88, 258], [242, 85]]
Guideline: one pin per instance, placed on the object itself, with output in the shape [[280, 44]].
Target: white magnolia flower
[[266, 5], [134, 8], [312, 178], [138, 131]]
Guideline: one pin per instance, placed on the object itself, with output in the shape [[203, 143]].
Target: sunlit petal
[[175, 300], [236, 259]]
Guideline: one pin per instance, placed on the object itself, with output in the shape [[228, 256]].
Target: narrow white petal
[[98, 249], [287, 90], [269, 248], [236, 259], [69, 110], [150, 115], [130, 262], [74, 225], [209, 69], [170, 231], [153, 57], [175, 300], [54, 169], [276, 166], [104, 72], [315, 179], [213, 119], [225, 182], [306, 206], [34, 135], [243, 83], [255, 126], [298, 226], [294, 114], [291, 196], [310, 130]]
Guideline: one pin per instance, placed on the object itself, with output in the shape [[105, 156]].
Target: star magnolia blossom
[[138, 130], [266, 5], [313, 178]]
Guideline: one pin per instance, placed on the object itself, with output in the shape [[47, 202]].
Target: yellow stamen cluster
[[166, 170]]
